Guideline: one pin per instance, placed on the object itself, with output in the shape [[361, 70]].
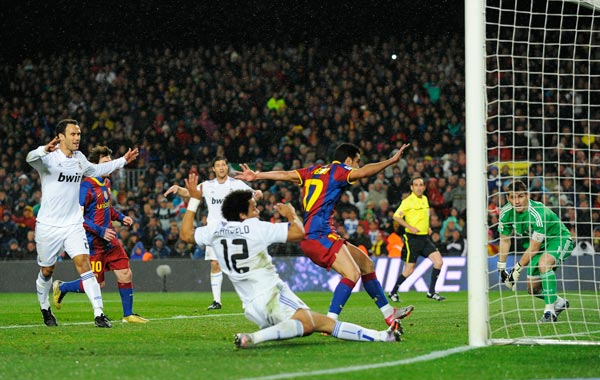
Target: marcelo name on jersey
[[69, 178]]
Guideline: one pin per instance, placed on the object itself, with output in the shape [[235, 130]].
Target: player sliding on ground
[[240, 244], [322, 187], [549, 244]]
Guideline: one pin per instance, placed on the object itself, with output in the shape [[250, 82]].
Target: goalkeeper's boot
[[214, 306], [395, 331], [102, 321], [393, 297], [399, 313], [134, 318], [559, 307], [57, 295], [49, 318], [548, 317], [243, 341]]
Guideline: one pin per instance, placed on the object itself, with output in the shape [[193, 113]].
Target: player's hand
[[109, 234], [52, 145], [191, 185], [396, 157], [131, 155], [502, 271], [180, 191], [128, 221], [258, 194], [246, 174], [286, 210], [513, 277]]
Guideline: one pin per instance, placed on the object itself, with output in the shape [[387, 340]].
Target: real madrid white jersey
[[61, 177], [214, 193], [241, 248]]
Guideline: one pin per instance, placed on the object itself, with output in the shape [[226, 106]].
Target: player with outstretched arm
[[240, 244], [322, 187], [214, 192], [106, 251], [60, 221]]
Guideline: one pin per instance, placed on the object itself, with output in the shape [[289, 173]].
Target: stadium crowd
[[272, 107]]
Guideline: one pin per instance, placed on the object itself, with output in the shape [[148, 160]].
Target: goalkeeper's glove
[[502, 271], [513, 277]]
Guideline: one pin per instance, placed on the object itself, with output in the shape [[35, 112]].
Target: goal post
[[476, 172], [533, 113]]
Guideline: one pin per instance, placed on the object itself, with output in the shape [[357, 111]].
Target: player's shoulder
[[209, 183], [78, 155], [505, 210], [337, 165]]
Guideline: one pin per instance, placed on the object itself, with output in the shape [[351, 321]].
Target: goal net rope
[[542, 81]]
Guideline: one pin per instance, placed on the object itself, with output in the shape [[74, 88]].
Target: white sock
[[559, 300], [550, 307], [285, 330], [350, 331], [216, 280], [43, 285], [387, 310], [333, 316], [92, 289]]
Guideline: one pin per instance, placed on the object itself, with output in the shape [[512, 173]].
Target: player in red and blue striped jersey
[[322, 187], [106, 251]]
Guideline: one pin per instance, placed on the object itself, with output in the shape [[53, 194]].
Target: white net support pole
[[476, 172]]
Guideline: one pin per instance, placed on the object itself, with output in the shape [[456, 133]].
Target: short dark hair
[[412, 181], [218, 158], [97, 152], [236, 203], [344, 151], [517, 185], [62, 125]]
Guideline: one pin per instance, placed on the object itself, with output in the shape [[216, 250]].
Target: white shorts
[[51, 241], [272, 308], [209, 253]]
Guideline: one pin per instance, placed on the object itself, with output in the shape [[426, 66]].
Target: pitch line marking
[[334, 371], [119, 320]]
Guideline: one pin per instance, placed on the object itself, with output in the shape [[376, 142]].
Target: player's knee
[[124, 275], [47, 271]]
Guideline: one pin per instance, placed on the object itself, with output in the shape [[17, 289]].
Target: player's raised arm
[[374, 168], [187, 225], [296, 230], [250, 175], [131, 155]]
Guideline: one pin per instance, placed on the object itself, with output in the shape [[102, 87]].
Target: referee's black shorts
[[415, 246]]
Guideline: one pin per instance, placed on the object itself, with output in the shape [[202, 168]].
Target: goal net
[[542, 84]]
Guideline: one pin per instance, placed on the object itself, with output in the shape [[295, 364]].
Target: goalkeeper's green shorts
[[559, 248]]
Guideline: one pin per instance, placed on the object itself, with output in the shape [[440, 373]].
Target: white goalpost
[[533, 113]]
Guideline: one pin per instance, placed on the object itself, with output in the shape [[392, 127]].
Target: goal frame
[[476, 173]]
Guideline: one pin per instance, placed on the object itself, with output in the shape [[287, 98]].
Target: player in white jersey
[[214, 191], [59, 224], [240, 243]]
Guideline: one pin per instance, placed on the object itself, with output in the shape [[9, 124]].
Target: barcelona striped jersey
[[322, 187], [94, 197]]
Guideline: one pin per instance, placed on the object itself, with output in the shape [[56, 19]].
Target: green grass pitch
[[185, 341]]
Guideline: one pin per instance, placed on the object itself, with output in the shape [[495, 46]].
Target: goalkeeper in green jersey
[[547, 241]]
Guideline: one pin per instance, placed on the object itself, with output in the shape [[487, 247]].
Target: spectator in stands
[[361, 239], [159, 249], [456, 245]]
